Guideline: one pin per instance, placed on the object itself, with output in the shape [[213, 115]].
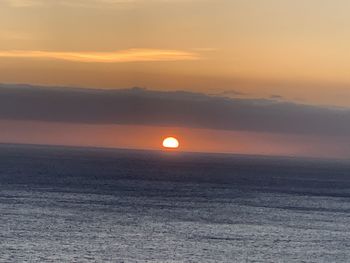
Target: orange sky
[[191, 140], [294, 50]]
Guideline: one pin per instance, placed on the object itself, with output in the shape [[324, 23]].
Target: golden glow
[[129, 55], [294, 49], [170, 143]]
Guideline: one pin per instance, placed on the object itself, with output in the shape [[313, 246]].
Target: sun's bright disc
[[171, 143]]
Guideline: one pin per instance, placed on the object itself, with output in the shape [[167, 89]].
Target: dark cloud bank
[[146, 107]]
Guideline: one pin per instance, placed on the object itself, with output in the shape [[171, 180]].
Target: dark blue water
[[93, 205]]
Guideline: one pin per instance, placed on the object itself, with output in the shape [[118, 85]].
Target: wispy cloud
[[129, 55]]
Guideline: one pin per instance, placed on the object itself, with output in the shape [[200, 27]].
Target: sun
[[170, 143]]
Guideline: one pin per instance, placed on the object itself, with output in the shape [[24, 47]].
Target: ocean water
[[92, 205]]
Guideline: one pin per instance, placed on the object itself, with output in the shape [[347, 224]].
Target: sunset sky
[[275, 59]]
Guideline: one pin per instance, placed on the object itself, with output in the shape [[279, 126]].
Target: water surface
[[94, 205]]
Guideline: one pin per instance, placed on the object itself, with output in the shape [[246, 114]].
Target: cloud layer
[[129, 55], [184, 109]]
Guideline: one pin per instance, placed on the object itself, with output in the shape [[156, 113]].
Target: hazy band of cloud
[[182, 109], [129, 55]]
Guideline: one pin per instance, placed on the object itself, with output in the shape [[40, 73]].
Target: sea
[[70, 204]]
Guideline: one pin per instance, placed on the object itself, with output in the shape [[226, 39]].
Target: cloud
[[129, 55], [184, 109]]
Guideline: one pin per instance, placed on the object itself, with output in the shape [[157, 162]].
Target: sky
[[242, 76]]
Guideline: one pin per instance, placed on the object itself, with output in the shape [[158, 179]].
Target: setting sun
[[171, 143]]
